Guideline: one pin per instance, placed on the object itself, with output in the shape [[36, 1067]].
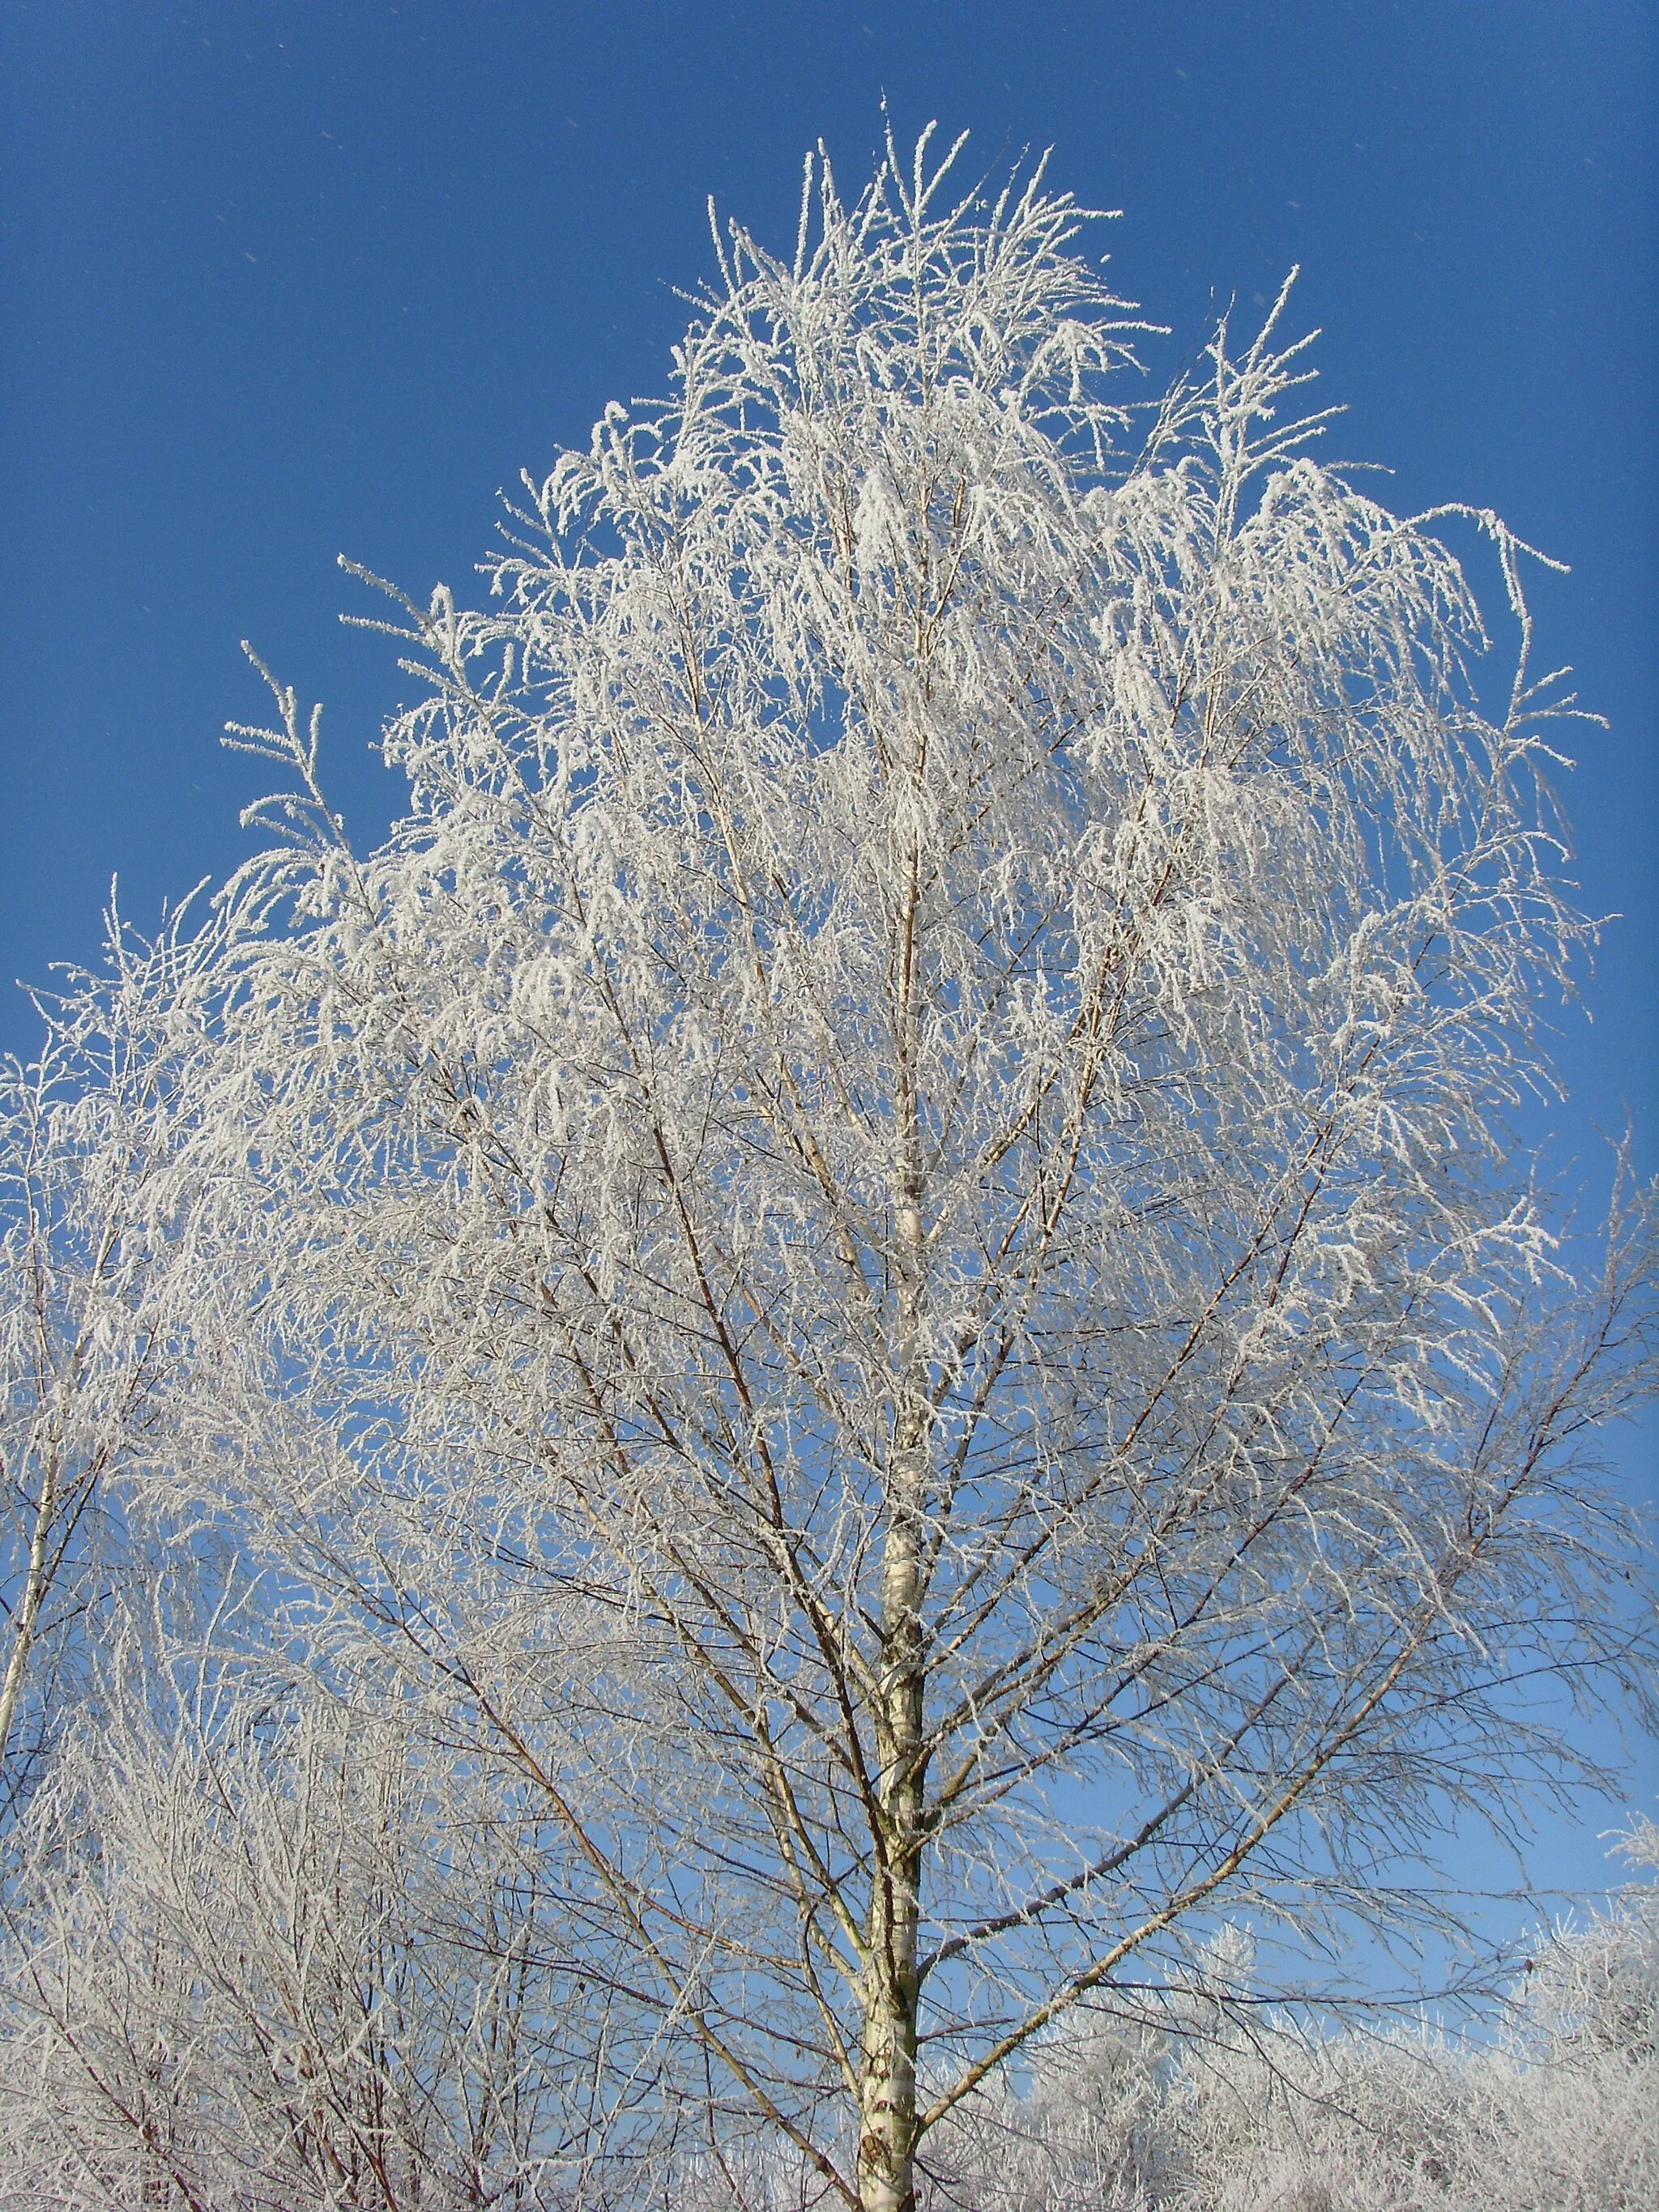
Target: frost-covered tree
[[269, 1956], [86, 1364], [882, 1249], [1244, 2108], [1560, 2113]]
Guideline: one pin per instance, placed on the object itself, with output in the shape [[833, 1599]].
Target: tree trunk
[[887, 2116], [26, 1618]]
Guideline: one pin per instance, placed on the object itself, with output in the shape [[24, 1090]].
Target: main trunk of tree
[[26, 1618], [887, 2116]]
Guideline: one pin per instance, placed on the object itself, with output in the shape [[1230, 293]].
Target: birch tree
[[884, 1247], [86, 1188], [270, 1955]]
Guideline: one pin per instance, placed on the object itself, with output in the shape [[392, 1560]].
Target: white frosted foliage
[[880, 1257]]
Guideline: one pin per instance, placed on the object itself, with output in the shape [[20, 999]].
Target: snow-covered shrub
[[1248, 2113], [269, 1961], [1086, 2133]]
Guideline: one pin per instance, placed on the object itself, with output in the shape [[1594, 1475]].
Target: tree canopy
[[879, 1266]]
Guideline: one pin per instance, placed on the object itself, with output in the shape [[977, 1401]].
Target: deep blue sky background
[[285, 279]]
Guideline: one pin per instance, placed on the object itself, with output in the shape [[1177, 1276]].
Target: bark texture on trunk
[[887, 2117], [26, 1618]]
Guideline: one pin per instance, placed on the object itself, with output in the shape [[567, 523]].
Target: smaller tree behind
[[89, 1194], [265, 1956]]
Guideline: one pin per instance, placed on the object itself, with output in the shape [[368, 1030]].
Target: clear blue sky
[[287, 279]]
